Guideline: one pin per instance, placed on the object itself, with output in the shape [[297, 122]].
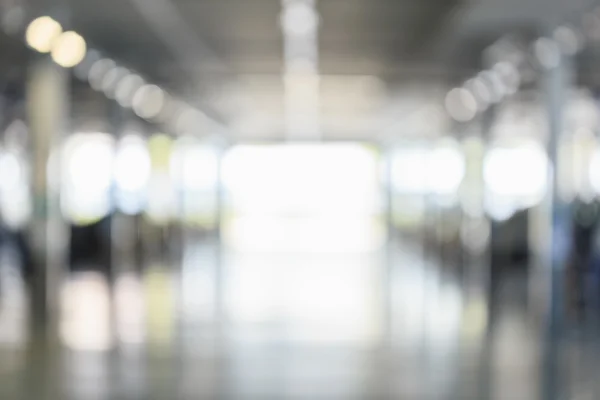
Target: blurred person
[[509, 260], [90, 247], [585, 215], [17, 240]]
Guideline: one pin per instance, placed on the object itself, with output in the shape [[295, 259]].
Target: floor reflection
[[304, 297], [225, 324]]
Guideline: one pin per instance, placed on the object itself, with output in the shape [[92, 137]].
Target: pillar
[[47, 100], [556, 81], [475, 224]]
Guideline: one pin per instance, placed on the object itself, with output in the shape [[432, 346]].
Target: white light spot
[[594, 173], [86, 169], [461, 104], [111, 79], [445, 169], [149, 101], [509, 75], [126, 89], [516, 171], [496, 87], [132, 165], [41, 33], [567, 39], [11, 170], [199, 168], [97, 72], [68, 49], [481, 91], [547, 52], [299, 19]]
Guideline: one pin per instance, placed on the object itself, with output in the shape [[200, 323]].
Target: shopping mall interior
[[299, 199]]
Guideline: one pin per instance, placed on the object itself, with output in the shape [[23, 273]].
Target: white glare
[[89, 165], [594, 172], [130, 310], [41, 34], [409, 170], [519, 172], [68, 49], [87, 176], [11, 171], [85, 319], [278, 179], [132, 165], [200, 168], [461, 105], [446, 170]]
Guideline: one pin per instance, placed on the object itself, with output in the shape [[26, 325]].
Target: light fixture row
[[148, 101], [46, 35], [494, 85]]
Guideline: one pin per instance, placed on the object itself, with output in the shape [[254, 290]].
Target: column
[[556, 81], [556, 77], [476, 227], [47, 108]]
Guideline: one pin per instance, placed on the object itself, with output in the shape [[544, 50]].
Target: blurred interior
[[304, 199]]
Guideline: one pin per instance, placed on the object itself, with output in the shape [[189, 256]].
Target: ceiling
[[382, 61]]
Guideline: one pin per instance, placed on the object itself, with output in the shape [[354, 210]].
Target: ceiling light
[[299, 19], [126, 89], [148, 101], [41, 33], [547, 52], [111, 80], [567, 39], [97, 72], [496, 87], [82, 70], [461, 104], [510, 76], [481, 91], [68, 49]]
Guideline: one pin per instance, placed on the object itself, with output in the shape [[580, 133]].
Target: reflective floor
[[392, 324]]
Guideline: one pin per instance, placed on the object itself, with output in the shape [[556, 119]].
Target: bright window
[[303, 197]]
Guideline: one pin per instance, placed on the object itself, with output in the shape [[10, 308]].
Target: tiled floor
[[221, 325]]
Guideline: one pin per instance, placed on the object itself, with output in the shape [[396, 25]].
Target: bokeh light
[[299, 19], [98, 71], [41, 33], [149, 101], [68, 49], [461, 104], [126, 89], [132, 164]]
